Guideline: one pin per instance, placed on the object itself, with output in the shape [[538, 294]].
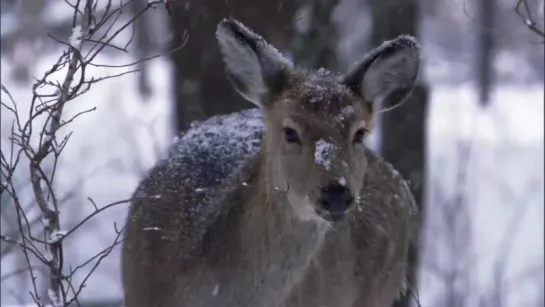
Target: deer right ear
[[256, 69], [386, 75]]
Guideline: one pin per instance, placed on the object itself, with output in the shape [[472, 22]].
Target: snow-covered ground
[[503, 226], [500, 236]]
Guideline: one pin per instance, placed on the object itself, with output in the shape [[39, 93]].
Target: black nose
[[335, 198]]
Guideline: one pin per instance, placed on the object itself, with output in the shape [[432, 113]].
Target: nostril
[[336, 198], [324, 203]]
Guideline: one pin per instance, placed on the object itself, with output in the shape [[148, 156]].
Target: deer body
[[246, 219]]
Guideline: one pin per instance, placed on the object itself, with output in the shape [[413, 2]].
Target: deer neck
[[270, 220], [273, 243]]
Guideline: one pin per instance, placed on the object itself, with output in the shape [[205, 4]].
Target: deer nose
[[335, 198]]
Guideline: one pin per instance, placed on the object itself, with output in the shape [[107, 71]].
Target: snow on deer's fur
[[282, 205]]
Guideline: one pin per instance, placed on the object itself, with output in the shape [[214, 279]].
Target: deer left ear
[[254, 67], [386, 75]]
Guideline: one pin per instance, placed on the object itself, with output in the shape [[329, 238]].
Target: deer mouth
[[330, 216]]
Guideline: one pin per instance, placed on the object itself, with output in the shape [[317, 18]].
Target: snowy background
[[484, 238]]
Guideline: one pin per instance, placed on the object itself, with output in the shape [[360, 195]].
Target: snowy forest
[[95, 92]]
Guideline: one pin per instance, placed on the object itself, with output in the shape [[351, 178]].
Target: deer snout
[[335, 199]]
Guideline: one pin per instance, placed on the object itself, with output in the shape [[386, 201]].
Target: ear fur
[[386, 75], [254, 67]]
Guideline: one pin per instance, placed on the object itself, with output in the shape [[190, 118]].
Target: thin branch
[[49, 99], [528, 19]]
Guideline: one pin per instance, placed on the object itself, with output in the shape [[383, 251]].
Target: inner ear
[[257, 71], [386, 75]]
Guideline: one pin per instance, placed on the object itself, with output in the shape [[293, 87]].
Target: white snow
[[54, 299], [48, 256], [345, 112], [216, 290], [151, 228], [323, 153], [56, 236], [76, 37], [348, 110]]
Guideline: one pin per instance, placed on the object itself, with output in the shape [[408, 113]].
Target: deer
[[298, 211]]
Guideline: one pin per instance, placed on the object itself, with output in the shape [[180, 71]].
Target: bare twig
[[527, 17], [530, 22], [42, 146], [51, 213]]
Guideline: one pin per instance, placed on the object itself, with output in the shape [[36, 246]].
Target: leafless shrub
[[37, 137], [452, 246], [452, 238]]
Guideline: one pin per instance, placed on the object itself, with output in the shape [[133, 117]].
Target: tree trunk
[[143, 46], [28, 36], [315, 47], [485, 49], [404, 128], [201, 88]]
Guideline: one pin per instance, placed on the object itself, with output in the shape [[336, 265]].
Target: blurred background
[[469, 140]]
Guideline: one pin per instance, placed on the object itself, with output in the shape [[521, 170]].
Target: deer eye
[[291, 136], [358, 136]]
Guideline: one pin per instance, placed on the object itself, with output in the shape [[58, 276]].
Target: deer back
[[208, 156]]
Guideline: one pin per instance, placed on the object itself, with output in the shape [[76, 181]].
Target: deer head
[[316, 121]]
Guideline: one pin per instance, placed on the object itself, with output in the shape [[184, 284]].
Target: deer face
[[316, 121], [315, 149]]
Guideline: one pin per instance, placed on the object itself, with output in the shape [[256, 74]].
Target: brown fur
[[257, 253], [252, 240]]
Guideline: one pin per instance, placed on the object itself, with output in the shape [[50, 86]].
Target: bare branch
[[35, 231], [527, 17]]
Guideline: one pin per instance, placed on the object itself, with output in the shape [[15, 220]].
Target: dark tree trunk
[[29, 32], [485, 49], [315, 47], [201, 88], [403, 140], [143, 46]]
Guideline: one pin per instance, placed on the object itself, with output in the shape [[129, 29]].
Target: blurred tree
[[201, 88], [486, 45], [29, 34], [143, 50], [403, 139], [315, 46]]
